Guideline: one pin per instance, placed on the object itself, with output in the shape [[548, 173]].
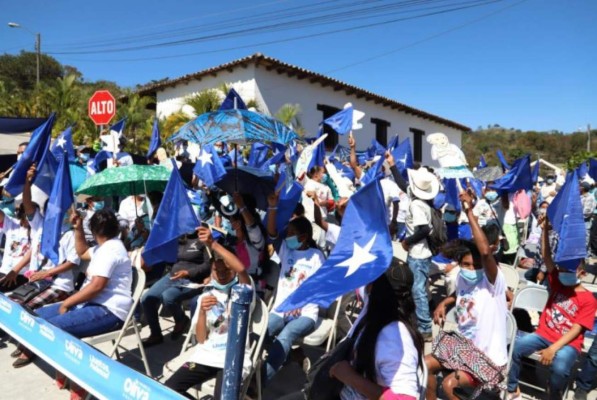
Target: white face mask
[[19, 156]]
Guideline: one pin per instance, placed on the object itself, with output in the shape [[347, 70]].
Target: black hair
[[492, 232], [313, 171], [104, 223], [24, 144], [458, 249], [303, 227], [385, 306], [299, 210]]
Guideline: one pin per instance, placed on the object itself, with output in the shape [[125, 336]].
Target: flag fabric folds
[[482, 163], [156, 140], [209, 167], [233, 101], [535, 173], [363, 252], [46, 172], [258, 154], [38, 146], [394, 142], [403, 157], [582, 170], [373, 172], [64, 143], [566, 217], [341, 122], [175, 218], [505, 165], [518, 177], [61, 198], [376, 149], [593, 169]]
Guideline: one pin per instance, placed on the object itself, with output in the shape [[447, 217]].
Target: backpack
[[439, 234]]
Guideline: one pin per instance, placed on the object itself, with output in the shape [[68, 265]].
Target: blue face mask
[[292, 242], [471, 277], [98, 205], [549, 181], [84, 157], [568, 278], [491, 196], [219, 150], [450, 217], [324, 177], [226, 287]]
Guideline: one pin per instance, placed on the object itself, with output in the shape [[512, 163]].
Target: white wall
[[272, 90]]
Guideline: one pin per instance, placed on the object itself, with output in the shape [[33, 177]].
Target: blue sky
[[527, 65]]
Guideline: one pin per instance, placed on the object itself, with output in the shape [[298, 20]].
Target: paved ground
[[36, 381]]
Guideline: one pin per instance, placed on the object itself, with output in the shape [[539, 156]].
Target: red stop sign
[[102, 107]]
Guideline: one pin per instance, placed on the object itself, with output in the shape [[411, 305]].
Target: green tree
[[289, 115], [19, 71]]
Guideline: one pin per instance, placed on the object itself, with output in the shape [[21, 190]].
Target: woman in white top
[[299, 259], [481, 307], [212, 320], [387, 359]]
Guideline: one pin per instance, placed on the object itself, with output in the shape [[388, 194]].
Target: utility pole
[[37, 46]]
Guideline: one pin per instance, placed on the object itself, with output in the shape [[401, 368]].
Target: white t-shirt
[[403, 206], [110, 260], [396, 364], [37, 224], [419, 214], [66, 252], [129, 210], [483, 211], [391, 193], [295, 267], [212, 352], [17, 244], [332, 234], [481, 313], [322, 191]]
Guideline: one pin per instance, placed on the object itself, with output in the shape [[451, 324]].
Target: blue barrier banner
[[91, 369]]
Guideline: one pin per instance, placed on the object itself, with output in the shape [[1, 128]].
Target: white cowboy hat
[[423, 183]]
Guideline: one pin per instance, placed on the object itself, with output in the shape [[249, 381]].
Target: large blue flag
[[118, 126], [566, 217], [403, 157], [344, 170], [156, 140], [363, 252], [61, 198], [175, 218], [505, 165], [482, 163], [582, 170], [376, 149], [290, 195], [64, 143], [233, 101], [46, 173], [258, 154], [38, 146], [209, 167], [394, 142], [318, 151], [518, 177], [341, 122], [373, 172], [452, 191], [535, 172]]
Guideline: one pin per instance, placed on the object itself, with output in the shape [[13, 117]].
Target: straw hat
[[423, 183]]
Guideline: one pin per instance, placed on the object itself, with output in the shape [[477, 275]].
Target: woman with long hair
[[387, 359]]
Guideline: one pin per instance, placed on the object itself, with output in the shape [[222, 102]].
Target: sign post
[[102, 107]]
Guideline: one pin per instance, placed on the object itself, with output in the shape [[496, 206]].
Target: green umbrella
[[126, 181]]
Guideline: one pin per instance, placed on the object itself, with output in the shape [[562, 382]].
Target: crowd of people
[[88, 291]]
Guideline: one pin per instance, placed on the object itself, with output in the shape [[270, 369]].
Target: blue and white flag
[[38, 146], [46, 173], [175, 218], [535, 173], [258, 154], [566, 217], [344, 170], [233, 101], [582, 170], [394, 142], [482, 163], [374, 172], [502, 158], [376, 149], [156, 140], [61, 198], [341, 122], [64, 143], [209, 167], [403, 157], [518, 177], [118, 127], [362, 254]]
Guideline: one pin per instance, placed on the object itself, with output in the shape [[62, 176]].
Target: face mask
[[84, 157], [549, 181], [324, 177], [568, 278], [541, 211], [98, 205], [292, 242], [219, 150], [471, 277], [450, 217], [226, 287], [491, 196]]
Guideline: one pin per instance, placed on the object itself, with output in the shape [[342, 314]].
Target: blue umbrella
[[234, 126], [78, 175]]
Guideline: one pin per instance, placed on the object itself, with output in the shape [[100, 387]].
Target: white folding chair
[[512, 277], [325, 328], [115, 337]]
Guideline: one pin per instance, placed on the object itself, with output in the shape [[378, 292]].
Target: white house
[[273, 83]]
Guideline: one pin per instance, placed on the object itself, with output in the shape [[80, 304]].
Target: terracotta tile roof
[[272, 64]]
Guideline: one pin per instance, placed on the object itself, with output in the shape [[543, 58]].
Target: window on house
[[381, 130], [417, 144], [331, 141]]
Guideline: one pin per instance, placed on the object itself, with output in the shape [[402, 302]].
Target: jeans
[[420, 269], [88, 320], [586, 378], [169, 292], [560, 367], [280, 337]]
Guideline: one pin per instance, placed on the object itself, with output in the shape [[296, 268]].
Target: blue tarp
[[19, 125]]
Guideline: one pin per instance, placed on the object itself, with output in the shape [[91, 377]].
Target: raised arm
[[353, 157], [80, 243], [400, 181], [27, 200], [545, 247], [272, 210], [232, 262], [489, 263]]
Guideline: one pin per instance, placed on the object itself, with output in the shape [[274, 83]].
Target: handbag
[[29, 290]]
